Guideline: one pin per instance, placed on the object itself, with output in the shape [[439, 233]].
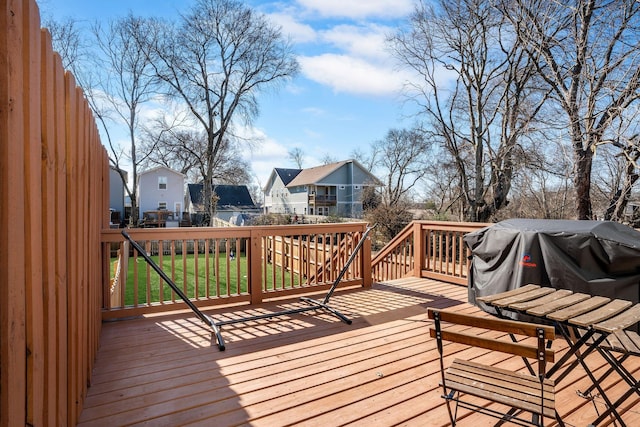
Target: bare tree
[[216, 61], [404, 160], [542, 187], [117, 81], [297, 156], [476, 91], [616, 175], [184, 150], [442, 189], [126, 83], [327, 159], [67, 41], [588, 54], [368, 160]]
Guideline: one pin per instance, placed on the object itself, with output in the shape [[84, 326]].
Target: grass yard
[[231, 277]]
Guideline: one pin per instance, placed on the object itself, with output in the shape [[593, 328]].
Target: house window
[[162, 183], [162, 206]]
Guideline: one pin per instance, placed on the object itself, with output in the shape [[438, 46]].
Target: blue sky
[[347, 94]]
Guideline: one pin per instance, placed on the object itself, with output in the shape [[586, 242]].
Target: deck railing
[[431, 249], [214, 266]]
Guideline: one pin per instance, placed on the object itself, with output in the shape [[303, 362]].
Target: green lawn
[[232, 285]]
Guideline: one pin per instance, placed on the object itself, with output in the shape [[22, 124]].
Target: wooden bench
[[522, 392]]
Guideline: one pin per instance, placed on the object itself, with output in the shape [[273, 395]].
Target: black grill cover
[[594, 257]]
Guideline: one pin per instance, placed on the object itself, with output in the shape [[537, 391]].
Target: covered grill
[[594, 257]]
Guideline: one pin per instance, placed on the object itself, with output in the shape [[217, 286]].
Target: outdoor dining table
[[597, 323]]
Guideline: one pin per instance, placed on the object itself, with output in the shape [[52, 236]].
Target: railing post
[[367, 273], [106, 275], [255, 265], [418, 249]]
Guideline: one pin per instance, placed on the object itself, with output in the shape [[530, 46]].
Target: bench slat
[[503, 325], [489, 392], [474, 340], [503, 374]]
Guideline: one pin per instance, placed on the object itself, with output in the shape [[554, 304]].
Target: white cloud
[[349, 74], [348, 56], [299, 32], [360, 41], [358, 9]]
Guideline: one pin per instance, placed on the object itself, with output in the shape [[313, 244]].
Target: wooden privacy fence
[[53, 205], [431, 249], [214, 266]]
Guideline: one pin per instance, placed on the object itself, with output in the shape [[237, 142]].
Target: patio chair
[[469, 384]]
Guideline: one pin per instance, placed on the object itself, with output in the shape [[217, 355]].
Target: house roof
[[157, 168], [229, 196], [287, 175], [316, 174]]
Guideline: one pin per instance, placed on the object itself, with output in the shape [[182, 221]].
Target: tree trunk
[[582, 183]]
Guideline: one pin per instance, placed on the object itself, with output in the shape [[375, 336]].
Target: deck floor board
[[304, 369]]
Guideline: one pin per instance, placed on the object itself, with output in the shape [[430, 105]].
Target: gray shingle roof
[[229, 195], [287, 175]]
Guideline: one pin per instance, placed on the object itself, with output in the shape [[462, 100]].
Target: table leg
[[634, 385]]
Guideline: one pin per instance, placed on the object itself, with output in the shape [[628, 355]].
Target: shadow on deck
[[305, 369]]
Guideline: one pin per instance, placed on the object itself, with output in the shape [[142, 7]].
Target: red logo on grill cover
[[527, 261]]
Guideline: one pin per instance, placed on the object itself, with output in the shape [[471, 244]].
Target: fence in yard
[[53, 176]]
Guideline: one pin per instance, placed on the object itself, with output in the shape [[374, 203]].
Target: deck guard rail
[[215, 266], [429, 249]]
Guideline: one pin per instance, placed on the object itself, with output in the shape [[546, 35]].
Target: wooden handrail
[[432, 249], [267, 262], [389, 247]]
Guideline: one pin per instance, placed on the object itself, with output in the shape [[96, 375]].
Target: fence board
[[48, 185], [60, 247], [12, 248], [33, 211]]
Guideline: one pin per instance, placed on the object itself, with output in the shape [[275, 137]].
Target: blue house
[[332, 189]]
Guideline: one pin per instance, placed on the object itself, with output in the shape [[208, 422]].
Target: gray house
[[333, 189], [232, 200], [161, 188]]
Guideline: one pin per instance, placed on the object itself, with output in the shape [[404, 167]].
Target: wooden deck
[[307, 369]]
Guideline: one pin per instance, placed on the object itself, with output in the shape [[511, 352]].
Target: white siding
[[150, 195]]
